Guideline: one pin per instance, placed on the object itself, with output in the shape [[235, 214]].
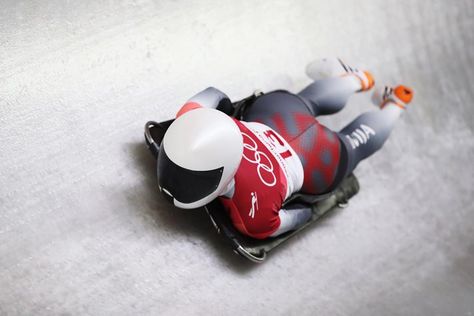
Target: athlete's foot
[[399, 96], [335, 67]]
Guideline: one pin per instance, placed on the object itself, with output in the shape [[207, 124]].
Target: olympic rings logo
[[264, 164]]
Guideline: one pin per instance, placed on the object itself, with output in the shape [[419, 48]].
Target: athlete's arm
[[292, 219], [208, 98]]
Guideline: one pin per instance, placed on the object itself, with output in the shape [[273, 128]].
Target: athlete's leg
[[334, 84], [328, 96], [369, 131]]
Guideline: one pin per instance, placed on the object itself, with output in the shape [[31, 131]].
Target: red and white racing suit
[[269, 172]]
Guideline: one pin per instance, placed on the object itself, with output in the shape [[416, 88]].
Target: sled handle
[[258, 259], [150, 142], [154, 133]]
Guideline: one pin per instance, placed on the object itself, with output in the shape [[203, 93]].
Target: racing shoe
[[335, 67], [400, 96]]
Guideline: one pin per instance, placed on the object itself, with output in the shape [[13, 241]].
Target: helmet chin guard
[[199, 156]]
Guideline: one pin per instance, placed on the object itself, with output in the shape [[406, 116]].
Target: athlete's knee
[[358, 135]]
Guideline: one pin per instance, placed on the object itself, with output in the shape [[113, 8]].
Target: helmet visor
[[186, 185]]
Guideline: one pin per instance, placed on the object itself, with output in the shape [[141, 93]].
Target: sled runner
[[254, 249]]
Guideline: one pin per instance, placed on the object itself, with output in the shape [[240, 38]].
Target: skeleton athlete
[[253, 166]]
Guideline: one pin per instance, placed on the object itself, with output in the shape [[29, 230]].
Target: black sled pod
[[255, 249]]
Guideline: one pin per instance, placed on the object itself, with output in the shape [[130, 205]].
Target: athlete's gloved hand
[[293, 217]]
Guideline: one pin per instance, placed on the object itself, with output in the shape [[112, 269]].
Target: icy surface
[[83, 229]]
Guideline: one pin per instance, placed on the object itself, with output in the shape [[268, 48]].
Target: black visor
[[186, 185]]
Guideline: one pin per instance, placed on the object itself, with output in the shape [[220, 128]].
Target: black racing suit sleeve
[[225, 106]]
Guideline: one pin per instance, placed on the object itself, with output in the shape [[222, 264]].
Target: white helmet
[[199, 157]]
